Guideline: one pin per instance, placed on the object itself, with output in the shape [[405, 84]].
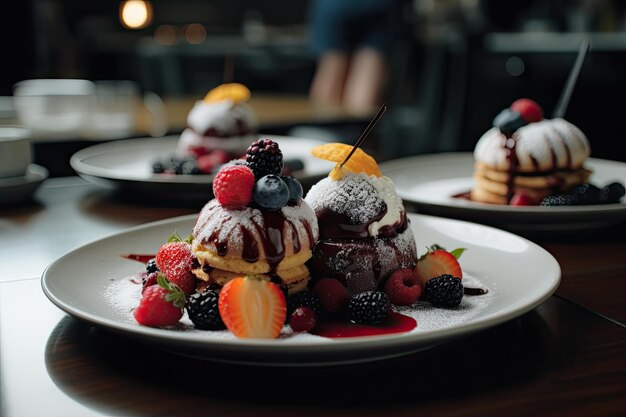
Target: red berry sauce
[[336, 329]]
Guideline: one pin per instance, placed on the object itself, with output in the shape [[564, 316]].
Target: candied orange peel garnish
[[236, 92], [337, 152]]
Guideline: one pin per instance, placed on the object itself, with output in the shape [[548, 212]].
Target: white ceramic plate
[[17, 189], [127, 164], [519, 274], [431, 181]]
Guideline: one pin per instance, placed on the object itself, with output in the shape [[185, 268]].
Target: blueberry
[[587, 194], [158, 167], [295, 188], [270, 192], [612, 192], [508, 121]]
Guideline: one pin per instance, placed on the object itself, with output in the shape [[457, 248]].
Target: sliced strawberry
[[437, 261], [252, 308]]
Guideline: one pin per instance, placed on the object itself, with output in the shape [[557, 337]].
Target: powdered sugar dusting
[[544, 143], [352, 195], [222, 116], [123, 296], [221, 224]]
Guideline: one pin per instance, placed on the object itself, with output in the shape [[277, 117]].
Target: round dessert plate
[[432, 181], [17, 189], [519, 274], [127, 165]]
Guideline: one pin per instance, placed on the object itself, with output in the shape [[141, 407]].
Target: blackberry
[[370, 307], [203, 310], [264, 157], [303, 299], [587, 194], [444, 291], [613, 192], [151, 266], [561, 200]]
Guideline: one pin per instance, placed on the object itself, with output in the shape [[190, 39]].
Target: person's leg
[[366, 81], [328, 82]]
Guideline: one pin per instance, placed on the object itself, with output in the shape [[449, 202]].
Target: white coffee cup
[[15, 151]]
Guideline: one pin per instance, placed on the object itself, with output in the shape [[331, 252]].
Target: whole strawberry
[[160, 305], [438, 261], [175, 259], [233, 185]]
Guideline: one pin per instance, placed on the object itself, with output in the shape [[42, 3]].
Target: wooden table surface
[[564, 358]]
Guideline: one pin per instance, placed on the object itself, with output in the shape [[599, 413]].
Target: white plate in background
[[431, 181]]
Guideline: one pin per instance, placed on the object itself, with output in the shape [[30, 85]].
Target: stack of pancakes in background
[[536, 160]]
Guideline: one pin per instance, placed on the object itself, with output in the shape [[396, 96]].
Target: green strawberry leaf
[[175, 237], [174, 294], [458, 252]]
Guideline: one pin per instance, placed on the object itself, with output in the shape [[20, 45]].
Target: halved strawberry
[[438, 261], [252, 308]]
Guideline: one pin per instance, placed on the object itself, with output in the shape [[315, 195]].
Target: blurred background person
[[351, 39]]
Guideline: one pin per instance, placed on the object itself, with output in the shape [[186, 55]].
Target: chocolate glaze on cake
[[347, 250], [252, 234]]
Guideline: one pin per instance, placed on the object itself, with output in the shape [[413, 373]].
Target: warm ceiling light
[[135, 14]]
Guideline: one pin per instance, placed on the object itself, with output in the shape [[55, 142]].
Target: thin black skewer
[[566, 94], [366, 132]]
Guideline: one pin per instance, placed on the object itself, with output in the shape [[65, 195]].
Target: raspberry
[[332, 294], [370, 307], [151, 279], [204, 312], [444, 291], [264, 157], [521, 199], [303, 299], [529, 110], [175, 260], [160, 305], [233, 186], [403, 287], [303, 319]]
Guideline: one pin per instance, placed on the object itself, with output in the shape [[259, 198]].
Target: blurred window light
[[166, 34], [195, 33], [135, 14]]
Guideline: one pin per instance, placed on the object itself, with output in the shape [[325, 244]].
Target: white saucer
[[17, 189], [432, 181]]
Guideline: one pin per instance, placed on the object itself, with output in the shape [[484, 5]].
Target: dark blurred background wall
[[456, 64]]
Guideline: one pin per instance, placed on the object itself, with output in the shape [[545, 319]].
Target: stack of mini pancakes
[[230, 243], [537, 160]]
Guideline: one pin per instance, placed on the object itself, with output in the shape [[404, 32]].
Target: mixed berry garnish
[[370, 307], [264, 157], [520, 113], [203, 310], [444, 291], [587, 194]]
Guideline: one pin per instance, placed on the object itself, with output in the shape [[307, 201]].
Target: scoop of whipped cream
[[220, 115], [542, 146], [360, 197]]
